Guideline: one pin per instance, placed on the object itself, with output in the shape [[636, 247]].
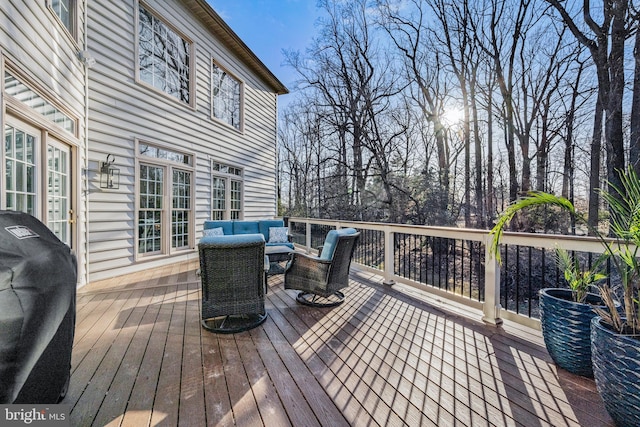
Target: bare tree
[[606, 43], [502, 38], [459, 50], [423, 68]]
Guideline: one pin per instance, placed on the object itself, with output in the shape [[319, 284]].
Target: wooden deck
[[382, 358]]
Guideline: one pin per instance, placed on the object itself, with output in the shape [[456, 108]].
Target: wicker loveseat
[[320, 278], [273, 230], [232, 270]]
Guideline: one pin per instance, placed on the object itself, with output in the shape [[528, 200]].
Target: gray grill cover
[[37, 310]]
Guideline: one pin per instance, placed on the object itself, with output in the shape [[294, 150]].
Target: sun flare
[[452, 116]]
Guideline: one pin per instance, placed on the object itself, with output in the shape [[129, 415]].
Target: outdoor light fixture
[[85, 57], [109, 176]]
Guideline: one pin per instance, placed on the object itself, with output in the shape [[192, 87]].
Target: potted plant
[[615, 334], [565, 313]]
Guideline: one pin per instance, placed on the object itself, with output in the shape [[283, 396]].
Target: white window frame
[[221, 172], [192, 58], [72, 29], [18, 113], [240, 125], [168, 166]]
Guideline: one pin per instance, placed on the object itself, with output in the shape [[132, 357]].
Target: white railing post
[[308, 236], [491, 307], [389, 257]]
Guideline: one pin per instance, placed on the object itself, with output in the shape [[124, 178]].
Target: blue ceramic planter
[[566, 329], [616, 368]]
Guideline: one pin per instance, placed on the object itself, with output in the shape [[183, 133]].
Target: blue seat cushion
[[227, 226], [331, 241], [246, 227], [287, 244]]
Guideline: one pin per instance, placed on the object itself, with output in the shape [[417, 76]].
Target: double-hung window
[[226, 97], [65, 10], [165, 213], [226, 194], [164, 56]]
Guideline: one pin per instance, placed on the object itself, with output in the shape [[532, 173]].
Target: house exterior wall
[[124, 112], [42, 54]]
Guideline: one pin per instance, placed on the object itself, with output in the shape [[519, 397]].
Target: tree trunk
[[634, 145], [594, 173]]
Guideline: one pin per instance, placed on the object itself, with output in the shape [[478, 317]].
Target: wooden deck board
[[382, 358]]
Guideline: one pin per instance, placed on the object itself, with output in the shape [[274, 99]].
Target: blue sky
[[269, 26]]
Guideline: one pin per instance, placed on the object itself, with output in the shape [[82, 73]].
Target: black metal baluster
[[529, 282], [518, 279]]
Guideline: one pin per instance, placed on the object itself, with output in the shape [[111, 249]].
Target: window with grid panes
[[165, 205], [181, 209], [226, 97], [226, 191], [219, 198], [150, 212], [164, 57], [236, 199], [20, 170]]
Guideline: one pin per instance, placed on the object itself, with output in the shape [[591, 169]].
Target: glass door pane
[[60, 213], [150, 211], [20, 148]]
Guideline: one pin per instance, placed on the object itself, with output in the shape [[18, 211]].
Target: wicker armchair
[[320, 278], [232, 270]]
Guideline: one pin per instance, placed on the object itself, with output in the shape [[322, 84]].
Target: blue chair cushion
[[232, 240], [332, 239], [227, 226], [246, 227]]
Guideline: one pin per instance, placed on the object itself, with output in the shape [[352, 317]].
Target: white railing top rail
[[537, 240]]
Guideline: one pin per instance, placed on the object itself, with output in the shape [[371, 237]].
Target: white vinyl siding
[[44, 88], [122, 111]]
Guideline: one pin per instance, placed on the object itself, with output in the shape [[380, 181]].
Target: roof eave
[[220, 29]]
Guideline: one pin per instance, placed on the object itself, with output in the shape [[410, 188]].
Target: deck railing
[[456, 265]]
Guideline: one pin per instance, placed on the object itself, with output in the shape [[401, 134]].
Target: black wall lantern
[[109, 176]]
